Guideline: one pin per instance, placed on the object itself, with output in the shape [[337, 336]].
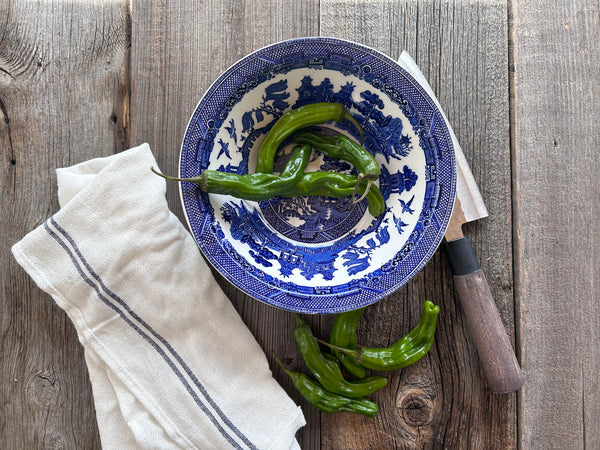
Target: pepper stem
[[362, 197], [196, 180], [350, 352], [285, 369], [299, 320], [358, 180]]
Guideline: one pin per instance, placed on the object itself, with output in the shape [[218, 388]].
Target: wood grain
[[178, 49], [461, 49], [61, 86], [556, 161], [519, 82]]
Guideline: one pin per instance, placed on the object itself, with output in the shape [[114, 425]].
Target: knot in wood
[[415, 408], [43, 389], [53, 439]]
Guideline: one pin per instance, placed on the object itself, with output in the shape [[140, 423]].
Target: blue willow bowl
[[317, 254]]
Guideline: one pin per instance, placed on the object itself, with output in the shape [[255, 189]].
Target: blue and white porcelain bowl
[[316, 254]]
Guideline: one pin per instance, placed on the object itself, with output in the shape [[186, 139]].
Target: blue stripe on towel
[[148, 334]]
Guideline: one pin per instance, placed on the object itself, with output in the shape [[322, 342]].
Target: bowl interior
[[318, 254]]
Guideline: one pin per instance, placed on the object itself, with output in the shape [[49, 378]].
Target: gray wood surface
[[520, 86], [461, 49], [556, 156], [61, 86]]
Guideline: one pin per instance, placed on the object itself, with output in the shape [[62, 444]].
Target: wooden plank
[[61, 83], [179, 47], [443, 400], [556, 160]]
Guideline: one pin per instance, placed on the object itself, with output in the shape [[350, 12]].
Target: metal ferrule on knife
[[461, 256]]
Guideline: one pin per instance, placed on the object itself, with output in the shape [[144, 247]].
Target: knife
[[495, 351]]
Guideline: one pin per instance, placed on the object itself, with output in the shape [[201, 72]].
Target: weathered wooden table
[[520, 84]]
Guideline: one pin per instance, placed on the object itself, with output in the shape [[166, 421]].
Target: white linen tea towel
[[171, 363]]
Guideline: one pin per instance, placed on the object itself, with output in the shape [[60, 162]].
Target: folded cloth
[[171, 363]]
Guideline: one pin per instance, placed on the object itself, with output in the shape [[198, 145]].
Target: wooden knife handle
[[495, 351]]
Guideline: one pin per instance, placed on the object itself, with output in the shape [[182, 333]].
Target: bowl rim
[[432, 103]]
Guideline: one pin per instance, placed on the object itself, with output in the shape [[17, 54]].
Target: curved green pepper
[[408, 350], [292, 182], [291, 121], [254, 186], [343, 334], [326, 401], [340, 146], [327, 373]]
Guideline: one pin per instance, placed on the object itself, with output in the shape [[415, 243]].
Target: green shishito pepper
[[343, 334], [291, 121], [334, 184], [292, 182], [327, 373], [254, 186], [405, 352], [339, 146], [327, 401]]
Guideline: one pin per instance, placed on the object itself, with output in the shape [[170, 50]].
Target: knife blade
[[495, 351]]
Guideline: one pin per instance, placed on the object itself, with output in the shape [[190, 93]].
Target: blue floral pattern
[[316, 254]]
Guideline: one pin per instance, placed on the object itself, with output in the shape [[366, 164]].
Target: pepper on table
[[327, 401], [343, 334], [404, 352], [327, 373]]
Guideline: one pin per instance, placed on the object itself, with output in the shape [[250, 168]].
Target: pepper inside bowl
[[320, 253]]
